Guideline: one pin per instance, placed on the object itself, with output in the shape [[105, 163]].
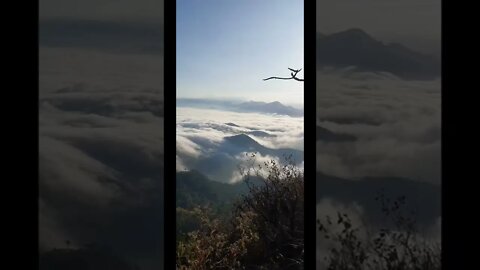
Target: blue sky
[[226, 47]]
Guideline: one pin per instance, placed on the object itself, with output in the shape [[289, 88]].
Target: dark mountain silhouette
[[354, 47], [260, 133], [195, 189], [326, 135], [250, 106], [422, 197], [242, 142], [245, 142], [117, 37]]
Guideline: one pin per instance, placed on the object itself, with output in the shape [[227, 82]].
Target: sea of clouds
[[101, 152], [397, 126], [200, 133]]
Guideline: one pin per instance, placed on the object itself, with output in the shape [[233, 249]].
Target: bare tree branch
[[293, 74]]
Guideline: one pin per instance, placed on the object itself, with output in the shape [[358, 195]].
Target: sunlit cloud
[[397, 124], [201, 141]]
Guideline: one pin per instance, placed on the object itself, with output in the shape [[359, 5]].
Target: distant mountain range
[[272, 107], [250, 106], [354, 47]]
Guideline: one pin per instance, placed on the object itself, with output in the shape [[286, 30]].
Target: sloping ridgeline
[[356, 48], [196, 190], [422, 197]]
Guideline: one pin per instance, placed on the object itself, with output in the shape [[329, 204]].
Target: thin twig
[[293, 75]]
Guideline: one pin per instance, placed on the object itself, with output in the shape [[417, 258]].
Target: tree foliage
[[396, 246], [265, 230]]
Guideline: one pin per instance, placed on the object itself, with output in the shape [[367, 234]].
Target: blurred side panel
[[101, 134], [378, 133]]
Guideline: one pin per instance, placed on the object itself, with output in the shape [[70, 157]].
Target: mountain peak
[[354, 47], [354, 35], [355, 31], [242, 140]]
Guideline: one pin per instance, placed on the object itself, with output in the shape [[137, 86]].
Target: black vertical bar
[[170, 132], [309, 132], [455, 202], [34, 222]]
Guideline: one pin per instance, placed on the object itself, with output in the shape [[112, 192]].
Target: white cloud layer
[[201, 133], [101, 152], [397, 124]]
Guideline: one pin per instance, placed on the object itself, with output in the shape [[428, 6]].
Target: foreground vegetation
[[396, 245], [264, 229]]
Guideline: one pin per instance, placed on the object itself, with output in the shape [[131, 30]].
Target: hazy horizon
[[379, 124], [244, 99]]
